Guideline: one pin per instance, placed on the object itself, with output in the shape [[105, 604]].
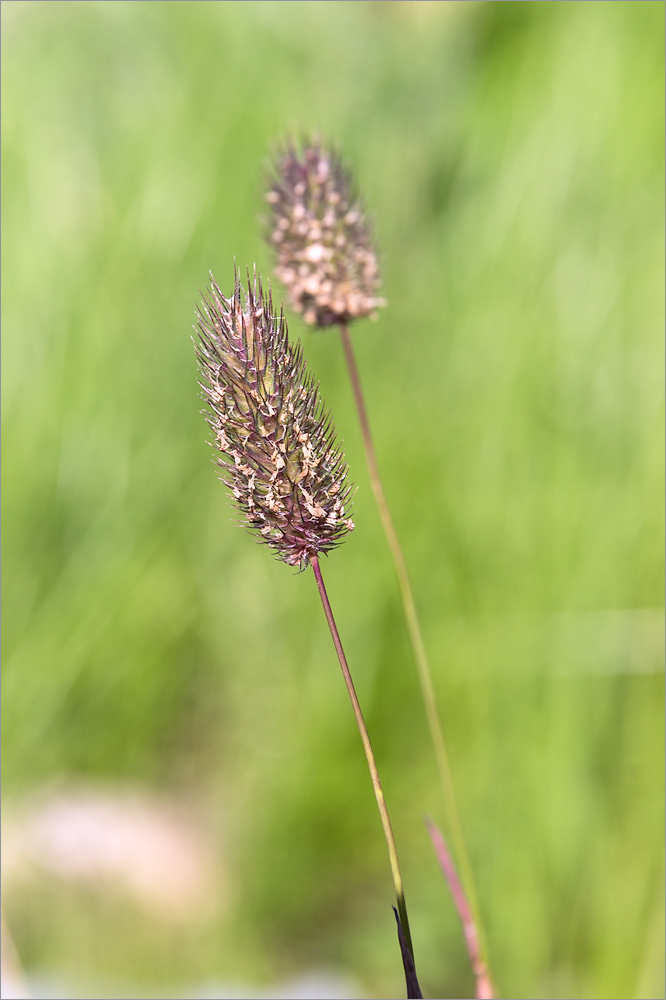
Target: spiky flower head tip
[[322, 239], [277, 441]]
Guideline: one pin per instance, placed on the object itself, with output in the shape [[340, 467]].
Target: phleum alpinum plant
[[325, 257], [279, 456]]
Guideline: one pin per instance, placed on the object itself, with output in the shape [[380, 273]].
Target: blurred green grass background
[[512, 157]]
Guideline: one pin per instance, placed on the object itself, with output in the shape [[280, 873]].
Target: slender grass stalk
[[370, 757], [414, 628]]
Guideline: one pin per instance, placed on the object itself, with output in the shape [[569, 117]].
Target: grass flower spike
[[276, 440], [285, 470], [325, 256]]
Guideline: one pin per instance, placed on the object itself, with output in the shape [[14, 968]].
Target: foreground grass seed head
[[323, 244], [277, 441]]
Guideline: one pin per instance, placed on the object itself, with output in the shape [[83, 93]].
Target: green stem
[[372, 766], [414, 629]]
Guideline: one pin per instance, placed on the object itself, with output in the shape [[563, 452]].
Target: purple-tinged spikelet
[[277, 441], [324, 252]]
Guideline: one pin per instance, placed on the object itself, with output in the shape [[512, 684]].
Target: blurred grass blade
[[14, 982], [484, 988]]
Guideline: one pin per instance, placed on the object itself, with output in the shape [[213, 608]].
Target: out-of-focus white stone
[[148, 847]]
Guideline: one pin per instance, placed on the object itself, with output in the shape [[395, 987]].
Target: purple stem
[[484, 988]]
